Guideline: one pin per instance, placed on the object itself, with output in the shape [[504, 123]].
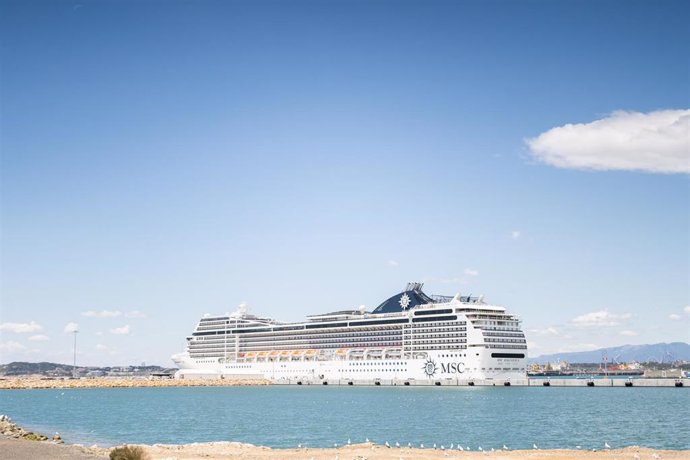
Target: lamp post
[[74, 365]]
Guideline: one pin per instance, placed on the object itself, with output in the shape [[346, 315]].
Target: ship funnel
[[414, 286]]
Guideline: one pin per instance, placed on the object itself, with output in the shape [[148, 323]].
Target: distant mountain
[[658, 352]]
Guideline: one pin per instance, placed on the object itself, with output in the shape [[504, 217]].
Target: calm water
[[321, 416]]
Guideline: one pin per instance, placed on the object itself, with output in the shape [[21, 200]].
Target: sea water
[[322, 416]]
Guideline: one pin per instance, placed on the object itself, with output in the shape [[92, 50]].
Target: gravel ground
[[21, 449]]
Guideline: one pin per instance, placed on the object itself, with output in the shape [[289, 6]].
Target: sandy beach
[[370, 451], [30, 383]]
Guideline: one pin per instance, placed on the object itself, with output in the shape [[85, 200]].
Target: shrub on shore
[[128, 453]]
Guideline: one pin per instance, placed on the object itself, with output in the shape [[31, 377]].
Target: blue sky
[[179, 158]]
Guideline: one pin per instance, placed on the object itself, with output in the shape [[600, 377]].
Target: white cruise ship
[[410, 336]]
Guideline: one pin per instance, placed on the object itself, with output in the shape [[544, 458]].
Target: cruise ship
[[410, 336]]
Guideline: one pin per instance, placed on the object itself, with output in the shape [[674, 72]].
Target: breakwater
[[41, 383]]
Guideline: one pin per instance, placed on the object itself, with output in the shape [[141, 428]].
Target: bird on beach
[[409, 444], [505, 447], [421, 446], [335, 444], [387, 445], [451, 445], [299, 446], [578, 447], [534, 446], [460, 448], [434, 445], [348, 441], [397, 444], [442, 448], [467, 448], [606, 445], [366, 439], [480, 448]]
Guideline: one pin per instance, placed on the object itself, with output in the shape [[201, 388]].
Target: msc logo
[[452, 368], [430, 368]]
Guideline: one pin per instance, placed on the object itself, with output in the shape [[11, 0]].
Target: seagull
[[434, 445], [299, 446], [492, 449], [578, 447], [480, 448], [534, 446], [366, 439], [348, 441], [505, 447], [409, 444], [335, 444], [421, 446], [397, 444], [468, 448], [461, 449], [451, 445], [606, 444], [442, 448], [387, 445]]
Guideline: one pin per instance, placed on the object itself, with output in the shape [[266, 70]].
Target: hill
[[66, 370], [658, 352]]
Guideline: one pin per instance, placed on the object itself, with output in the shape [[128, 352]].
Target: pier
[[527, 382]]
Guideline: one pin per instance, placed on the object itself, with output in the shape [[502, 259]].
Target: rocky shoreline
[[12, 430], [42, 383]]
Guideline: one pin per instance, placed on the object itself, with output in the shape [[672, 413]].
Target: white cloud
[[687, 309], [600, 318], [124, 330], [20, 328], [628, 333], [71, 327], [39, 338], [470, 272], [11, 346], [674, 316], [634, 141], [135, 314], [102, 314], [515, 234], [393, 263]]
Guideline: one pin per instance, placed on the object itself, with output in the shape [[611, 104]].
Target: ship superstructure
[[409, 336]]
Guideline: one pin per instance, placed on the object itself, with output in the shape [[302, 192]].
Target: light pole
[[74, 366]]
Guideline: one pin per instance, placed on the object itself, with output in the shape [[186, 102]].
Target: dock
[[527, 382]]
